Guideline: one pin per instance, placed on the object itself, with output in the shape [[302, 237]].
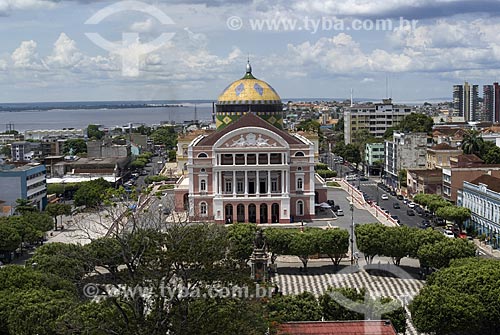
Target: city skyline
[[305, 49]]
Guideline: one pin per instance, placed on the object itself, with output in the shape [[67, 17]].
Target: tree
[[454, 213], [28, 308], [93, 132], [172, 155], [302, 307], [334, 243], [24, 206], [241, 237], [472, 142], [90, 193], [138, 164], [303, 244], [416, 122], [492, 156], [460, 299], [370, 239], [352, 154], [144, 130], [278, 241], [68, 261], [397, 243], [403, 174], [5, 150], [165, 136], [105, 252], [309, 125], [56, 210], [440, 254], [75, 145], [421, 237], [9, 238]]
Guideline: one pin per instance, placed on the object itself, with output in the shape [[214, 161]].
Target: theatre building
[[250, 169]]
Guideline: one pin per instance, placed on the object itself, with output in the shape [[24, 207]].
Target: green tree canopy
[[416, 122], [460, 299], [334, 243], [440, 254], [302, 307], [472, 142], [241, 237], [90, 193], [56, 210], [165, 136], [78, 145], [93, 132], [454, 213]]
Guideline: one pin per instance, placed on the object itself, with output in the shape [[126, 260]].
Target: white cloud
[[7, 6], [143, 26], [367, 80], [26, 56], [65, 53]]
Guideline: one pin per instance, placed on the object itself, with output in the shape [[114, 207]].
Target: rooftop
[[444, 147], [247, 120], [493, 183], [337, 328]]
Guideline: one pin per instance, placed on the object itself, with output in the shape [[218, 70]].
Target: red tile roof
[[493, 183], [337, 328], [248, 120]]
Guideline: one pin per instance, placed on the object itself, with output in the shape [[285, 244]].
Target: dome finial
[[249, 67]]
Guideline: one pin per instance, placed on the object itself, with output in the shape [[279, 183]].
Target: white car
[[411, 205], [449, 233], [340, 212], [384, 197]]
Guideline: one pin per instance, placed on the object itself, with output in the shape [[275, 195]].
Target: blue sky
[[315, 48]]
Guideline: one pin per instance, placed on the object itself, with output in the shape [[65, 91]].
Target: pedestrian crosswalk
[[398, 285]]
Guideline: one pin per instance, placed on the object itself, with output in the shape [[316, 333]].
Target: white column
[[246, 183], [246, 159], [283, 182], [234, 183], [268, 158], [257, 186], [269, 182], [220, 181], [287, 182]]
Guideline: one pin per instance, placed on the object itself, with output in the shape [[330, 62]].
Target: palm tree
[[472, 142]]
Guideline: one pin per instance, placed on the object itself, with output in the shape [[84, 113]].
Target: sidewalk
[[487, 249]]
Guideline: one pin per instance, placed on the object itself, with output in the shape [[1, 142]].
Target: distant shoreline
[[80, 107]]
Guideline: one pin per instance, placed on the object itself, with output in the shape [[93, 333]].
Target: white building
[[405, 151], [376, 118], [482, 197]]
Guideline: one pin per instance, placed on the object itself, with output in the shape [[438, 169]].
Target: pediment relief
[[250, 140]]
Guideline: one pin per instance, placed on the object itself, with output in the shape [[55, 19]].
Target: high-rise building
[[374, 118], [491, 102], [488, 103], [466, 101], [496, 104]]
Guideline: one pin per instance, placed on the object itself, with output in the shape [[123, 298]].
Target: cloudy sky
[[69, 50]]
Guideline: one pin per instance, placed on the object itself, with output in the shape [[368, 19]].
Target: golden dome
[[249, 90]]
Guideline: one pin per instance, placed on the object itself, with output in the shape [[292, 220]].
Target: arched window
[[299, 168], [300, 184], [203, 209], [300, 208], [202, 155], [202, 170], [203, 185], [299, 154]]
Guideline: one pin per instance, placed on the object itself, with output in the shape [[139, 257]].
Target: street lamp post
[[351, 204], [160, 208]]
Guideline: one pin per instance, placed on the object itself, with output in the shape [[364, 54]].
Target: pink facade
[[251, 171]]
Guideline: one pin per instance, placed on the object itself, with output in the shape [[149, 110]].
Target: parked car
[[396, 218], [336, 208], [384, 197], [448, 233], [400, 197], [363, 178], [405, 201], [410, 212], [330, 202], [340, 212], [411, 205], [396, 205], [393, 193]]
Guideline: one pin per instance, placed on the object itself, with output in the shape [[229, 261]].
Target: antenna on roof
[[352, 103]]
